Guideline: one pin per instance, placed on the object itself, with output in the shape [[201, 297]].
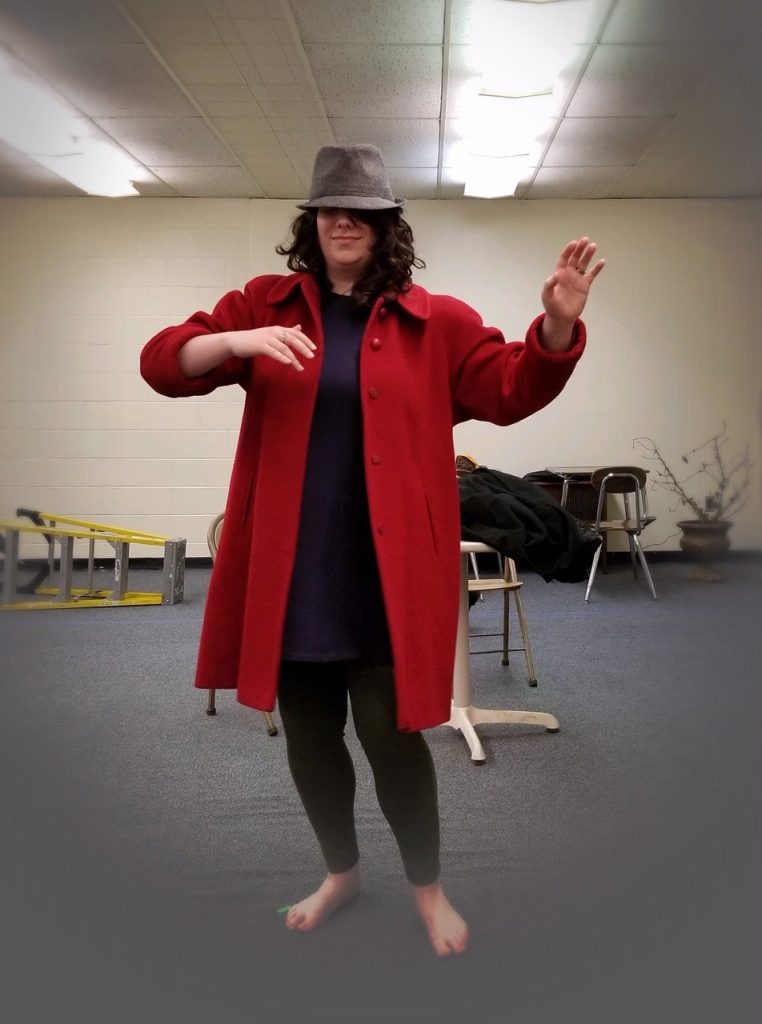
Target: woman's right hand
[[284, 344]]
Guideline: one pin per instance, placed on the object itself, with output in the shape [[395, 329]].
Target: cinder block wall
[[674, 341]]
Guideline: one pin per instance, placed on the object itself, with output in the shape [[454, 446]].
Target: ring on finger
[[283, 335]]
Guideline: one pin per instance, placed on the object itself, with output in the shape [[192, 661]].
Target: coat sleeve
[[503, 382], [159, 362]]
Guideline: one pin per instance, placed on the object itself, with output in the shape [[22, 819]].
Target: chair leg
[[594, 566], [644, 563], [633, 558], [211, 709], [475, 571], [506, 627], [525, 636]]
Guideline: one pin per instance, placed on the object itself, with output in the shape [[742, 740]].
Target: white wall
[[674, 348]]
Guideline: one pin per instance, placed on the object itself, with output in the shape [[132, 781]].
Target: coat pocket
[[432, 524]]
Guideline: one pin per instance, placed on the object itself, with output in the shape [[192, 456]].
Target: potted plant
[[719, 488]]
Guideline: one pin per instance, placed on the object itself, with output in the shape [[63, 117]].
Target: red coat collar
[[415, 301]]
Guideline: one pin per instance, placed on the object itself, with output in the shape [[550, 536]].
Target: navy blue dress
[[335, 608]]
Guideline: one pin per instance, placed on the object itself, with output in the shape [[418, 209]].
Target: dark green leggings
[[312, 701]]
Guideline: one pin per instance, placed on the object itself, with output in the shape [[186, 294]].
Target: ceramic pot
[[705, 542], [705, 539]]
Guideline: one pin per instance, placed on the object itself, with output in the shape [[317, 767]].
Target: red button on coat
[[375, 459], [373, 392], [375, 343]]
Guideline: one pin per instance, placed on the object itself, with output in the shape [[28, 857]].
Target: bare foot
[[335, 890], [447, 929]]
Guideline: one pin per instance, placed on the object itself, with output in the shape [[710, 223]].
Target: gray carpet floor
[[610, 872]]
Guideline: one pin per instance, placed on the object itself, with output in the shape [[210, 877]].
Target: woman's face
[[346, 242]]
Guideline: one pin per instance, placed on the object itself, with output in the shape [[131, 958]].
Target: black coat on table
[[522, 521]]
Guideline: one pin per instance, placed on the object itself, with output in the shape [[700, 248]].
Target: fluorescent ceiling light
[[38, 122], [523, 46], [491, 177], [505, 127]]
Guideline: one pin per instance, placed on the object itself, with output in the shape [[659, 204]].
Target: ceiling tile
[[234, 108], [227, 32], [267, 150], [276, 75], [286, 108], [392, 81], [154, 187], [598, 141], [266, 56], [297, 125], [256, 32], [170, 142], [301, 148], [294, 56], [241, 129], [248, 8], [239, 54], [347, 21], [680, 21], [665, 107], [263, 165], [115, 78], [141, 9], [287, 36], [405, 143], [46, 24], [250, 73], [210, 181], [463, 80], [463, 22], [413, 182], [191, 53], [285, 92], [284, 185], [720, 178], [233, 92], [208, 74], [453, 141], [578, 182], [200, 30], [638, 81]]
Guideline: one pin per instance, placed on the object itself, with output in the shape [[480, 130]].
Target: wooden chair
[[509, 584], [630, 482], [213, 535]]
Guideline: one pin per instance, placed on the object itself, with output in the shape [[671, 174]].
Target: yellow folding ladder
[[62, 532]]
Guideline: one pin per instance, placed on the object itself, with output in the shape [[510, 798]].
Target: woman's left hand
[[565, 292]]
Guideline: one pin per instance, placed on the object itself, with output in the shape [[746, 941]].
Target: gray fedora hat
[[350, 177]]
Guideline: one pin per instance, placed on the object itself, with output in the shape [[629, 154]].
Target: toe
[[294, 918]]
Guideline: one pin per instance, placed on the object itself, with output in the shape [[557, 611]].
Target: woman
[[343, 481]]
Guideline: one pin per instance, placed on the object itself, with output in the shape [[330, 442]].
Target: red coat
[[427, 362]]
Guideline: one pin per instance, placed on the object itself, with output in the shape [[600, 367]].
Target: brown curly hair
[[390, 272]]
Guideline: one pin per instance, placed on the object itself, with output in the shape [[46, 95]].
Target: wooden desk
[[463, 715], [576, 492]]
